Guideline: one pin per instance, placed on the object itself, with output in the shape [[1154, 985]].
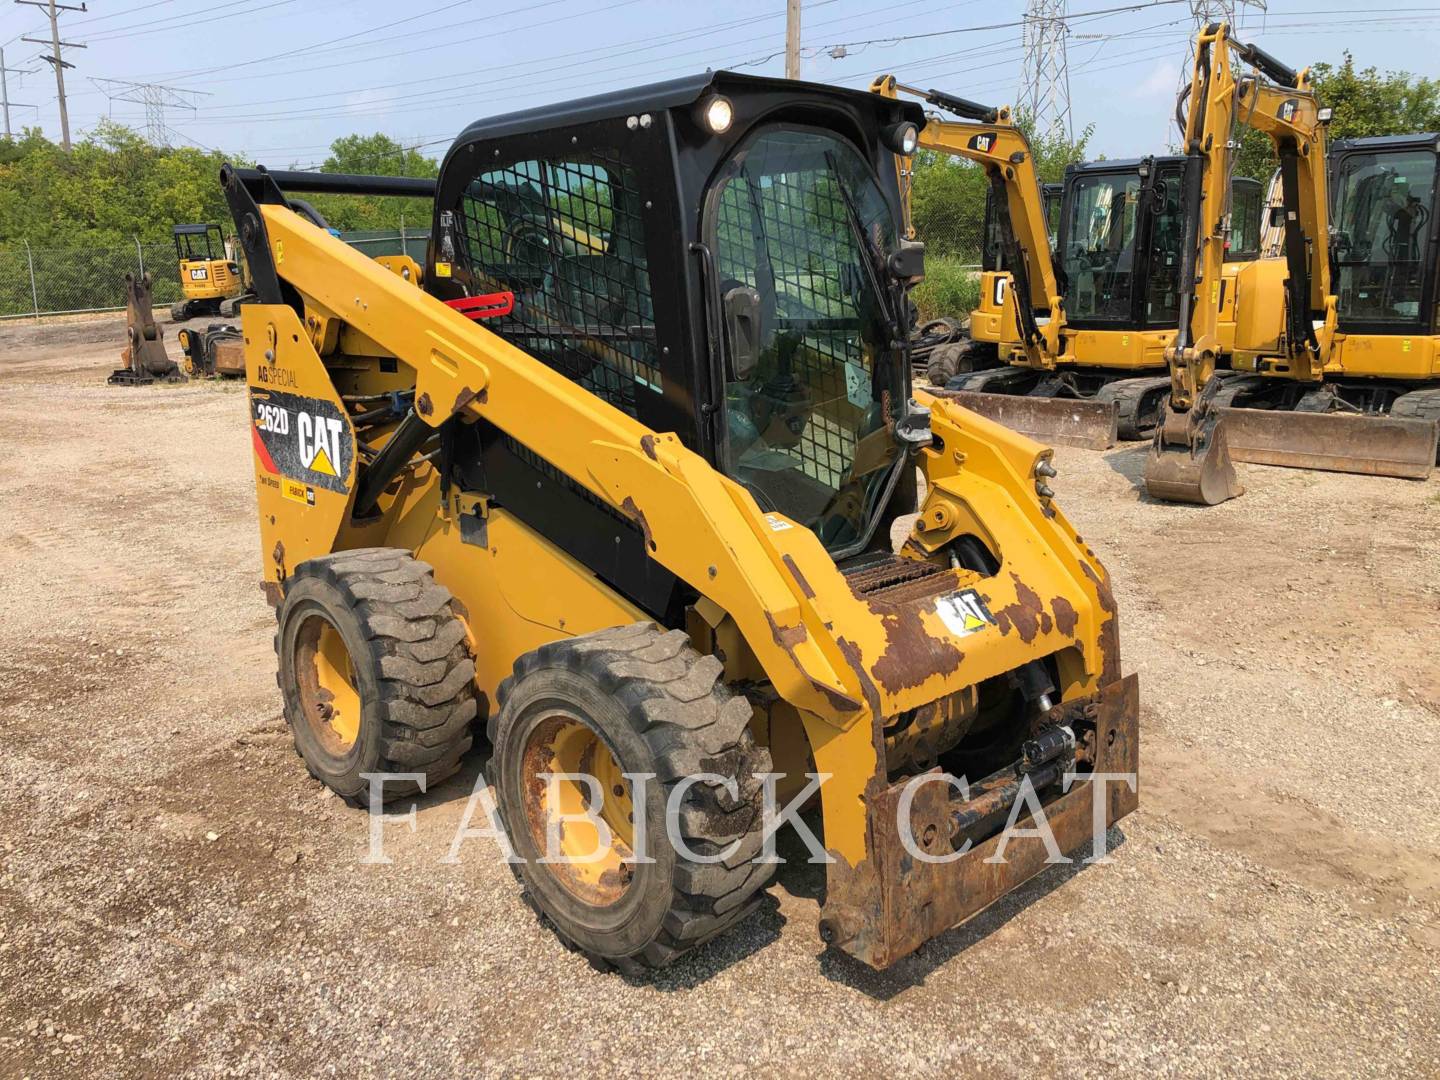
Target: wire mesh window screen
[[566, 237], [788, 236]]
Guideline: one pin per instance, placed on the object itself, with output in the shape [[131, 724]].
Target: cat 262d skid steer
[[612, 482]]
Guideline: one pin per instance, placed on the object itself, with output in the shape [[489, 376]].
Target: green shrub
[[949, 289]]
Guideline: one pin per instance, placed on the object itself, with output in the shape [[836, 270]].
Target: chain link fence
[[37, 281], [954, 234]]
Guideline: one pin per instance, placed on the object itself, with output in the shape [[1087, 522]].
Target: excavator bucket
[[144, 357], [1092, 425], [1334, 442], [1191, 468]]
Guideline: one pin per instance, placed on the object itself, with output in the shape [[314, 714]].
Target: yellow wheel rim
[[329, 691], [598, 873]]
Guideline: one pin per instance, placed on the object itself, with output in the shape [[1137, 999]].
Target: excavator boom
[[987, 136], [1290, 334]]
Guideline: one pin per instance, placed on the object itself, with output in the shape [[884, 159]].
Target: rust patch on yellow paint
[[799, 577], [912, 654], [1025, 614], [1065, 615], [635, 514]]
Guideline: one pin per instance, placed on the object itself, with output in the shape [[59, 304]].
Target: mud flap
[[1091, 425], [892, 903], [1334, 442]]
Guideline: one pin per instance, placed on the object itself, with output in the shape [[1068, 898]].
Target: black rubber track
[[1131, 395], [416, 653], [1419, 405], [691, 722]]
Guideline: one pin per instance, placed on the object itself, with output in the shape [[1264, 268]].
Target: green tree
[[376, 155], [1363, 101], [947, 195], [1367, 102], [113, 186]]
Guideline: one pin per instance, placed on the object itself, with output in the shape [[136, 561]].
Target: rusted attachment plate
[[1092, 425], [890, 905], [1334, 442]]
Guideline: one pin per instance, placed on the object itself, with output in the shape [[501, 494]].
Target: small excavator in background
[[1082, 362], [212, 282], [1294, 406]]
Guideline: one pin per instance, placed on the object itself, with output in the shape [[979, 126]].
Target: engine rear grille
[[882, 573]]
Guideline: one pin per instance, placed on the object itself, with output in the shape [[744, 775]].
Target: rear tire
[[648, 703], [180, 311], [375, 671]]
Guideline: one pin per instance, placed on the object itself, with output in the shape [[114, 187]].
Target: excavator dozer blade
[[1203, 474], [1334, 442], [1092, 425]]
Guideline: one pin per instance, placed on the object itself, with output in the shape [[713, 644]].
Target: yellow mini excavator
[[1301, 404], [1067, 347], [625, 509]]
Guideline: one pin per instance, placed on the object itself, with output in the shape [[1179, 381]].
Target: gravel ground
[[178, 897]]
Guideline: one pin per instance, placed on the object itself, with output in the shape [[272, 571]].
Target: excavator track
[[1139, 404]]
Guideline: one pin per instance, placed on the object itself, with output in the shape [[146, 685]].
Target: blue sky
[[279, 79]]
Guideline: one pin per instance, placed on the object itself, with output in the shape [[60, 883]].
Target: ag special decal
[[305, 439]]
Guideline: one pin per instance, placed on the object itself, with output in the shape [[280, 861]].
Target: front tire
[[375, 671], [630, 700]]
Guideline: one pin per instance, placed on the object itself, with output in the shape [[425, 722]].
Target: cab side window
[[565, 236]]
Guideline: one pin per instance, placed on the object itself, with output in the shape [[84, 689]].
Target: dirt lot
[[177, 896]]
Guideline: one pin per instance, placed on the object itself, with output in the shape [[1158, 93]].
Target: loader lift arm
[[987, 135], [1189, 459]]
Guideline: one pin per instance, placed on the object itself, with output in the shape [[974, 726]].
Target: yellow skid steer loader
[[616, 480]]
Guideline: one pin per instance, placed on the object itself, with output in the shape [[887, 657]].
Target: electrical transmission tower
[[1205, 12], [1045, 86], [155, 98]]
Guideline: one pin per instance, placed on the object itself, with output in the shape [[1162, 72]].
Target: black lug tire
[[660, 708], [948, 360], [180, 311], [411, 659]]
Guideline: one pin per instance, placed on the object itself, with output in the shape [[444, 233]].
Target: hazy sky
[[279, 79]]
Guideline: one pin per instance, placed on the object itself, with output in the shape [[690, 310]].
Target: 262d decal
[[305, 439]]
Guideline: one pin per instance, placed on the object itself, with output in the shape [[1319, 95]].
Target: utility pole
[[792, 39], [5, 91], [53, 10]]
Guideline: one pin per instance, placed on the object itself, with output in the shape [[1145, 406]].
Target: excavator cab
[[1385, 250], [1121, 233]]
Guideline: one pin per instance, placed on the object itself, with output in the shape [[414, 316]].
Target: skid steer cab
[[626, 481]]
